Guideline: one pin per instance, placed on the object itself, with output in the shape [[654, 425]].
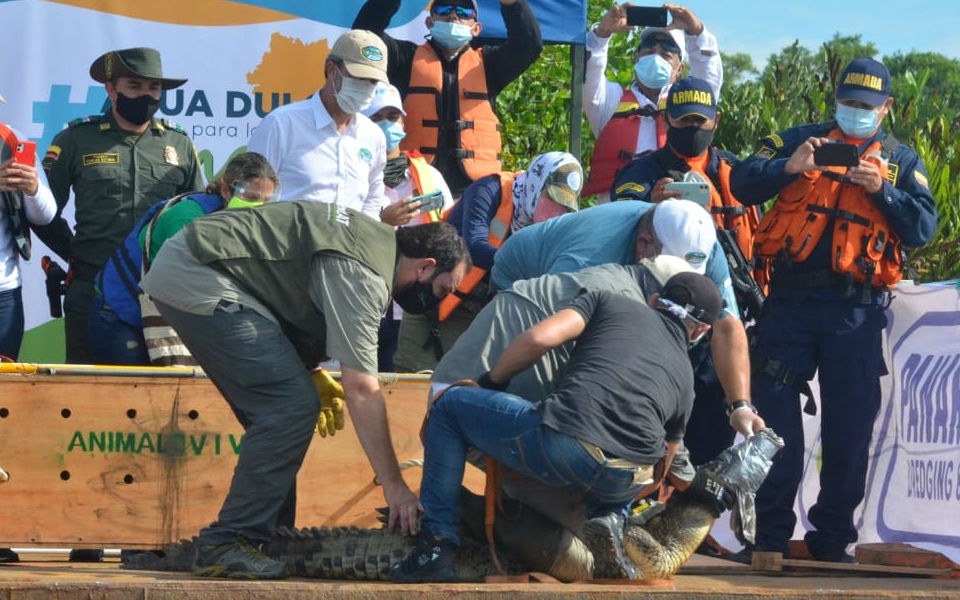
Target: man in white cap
[[323, 148], [628, 121], [623, 233]]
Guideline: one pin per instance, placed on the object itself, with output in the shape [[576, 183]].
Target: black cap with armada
[[697, 294], [132, 62]]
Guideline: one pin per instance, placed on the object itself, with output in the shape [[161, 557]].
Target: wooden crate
[[139, 461]]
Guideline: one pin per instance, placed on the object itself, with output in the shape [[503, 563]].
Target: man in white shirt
[[629, 122], [322, 148]]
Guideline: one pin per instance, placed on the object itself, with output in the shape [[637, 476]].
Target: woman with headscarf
[[491, 208]]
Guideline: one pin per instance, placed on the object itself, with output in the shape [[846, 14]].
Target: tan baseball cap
[[363, 53]]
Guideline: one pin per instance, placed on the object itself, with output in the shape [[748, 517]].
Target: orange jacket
[[499, 230], [617, 143], [863, 244], [478, 139]]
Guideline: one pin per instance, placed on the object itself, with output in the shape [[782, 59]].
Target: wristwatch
[[740, 404]]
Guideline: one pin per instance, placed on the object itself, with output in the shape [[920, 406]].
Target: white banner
[[913, 488]]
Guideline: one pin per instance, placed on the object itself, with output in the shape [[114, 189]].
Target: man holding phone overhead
[[628, 122], [835, 238]]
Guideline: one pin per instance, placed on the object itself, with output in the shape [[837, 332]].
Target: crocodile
[[658, 543]]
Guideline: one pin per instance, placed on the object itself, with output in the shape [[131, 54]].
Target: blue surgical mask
[[653, 71], [393, 132], [451, 35], [858, 123]]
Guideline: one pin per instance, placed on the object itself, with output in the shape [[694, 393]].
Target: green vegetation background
[[796, 86]]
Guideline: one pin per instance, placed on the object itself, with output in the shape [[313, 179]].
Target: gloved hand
[[330, 420], [744, 418], [707, 489]]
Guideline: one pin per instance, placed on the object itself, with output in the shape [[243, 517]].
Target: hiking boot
[[432, 561], [604, 537], [237, 560], [86, 555], [8, 556]]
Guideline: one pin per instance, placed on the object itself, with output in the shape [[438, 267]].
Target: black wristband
[[740, 404], [485, 382]]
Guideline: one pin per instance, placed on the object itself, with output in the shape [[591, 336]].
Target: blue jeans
[[11, 322], [112, 341], [507, 428]]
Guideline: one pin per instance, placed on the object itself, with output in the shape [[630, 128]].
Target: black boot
[[432, 561], [604, 536]]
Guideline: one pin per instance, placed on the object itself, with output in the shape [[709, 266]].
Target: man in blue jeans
[[619, 408]]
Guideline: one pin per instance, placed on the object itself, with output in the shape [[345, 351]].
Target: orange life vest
[[863, 245], [478, 137], [617, 143], [729, 214], [499, 230], [423, 183]]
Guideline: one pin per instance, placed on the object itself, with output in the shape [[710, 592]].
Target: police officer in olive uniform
[[119, 164]]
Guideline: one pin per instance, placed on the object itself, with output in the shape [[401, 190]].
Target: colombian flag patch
[[53, 153], [918, 176]]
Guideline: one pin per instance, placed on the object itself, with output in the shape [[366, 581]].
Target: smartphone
[[836, 155], [25, 153], [428, 202], [647, 16], [696, 191]]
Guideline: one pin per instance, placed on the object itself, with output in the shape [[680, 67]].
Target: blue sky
[[764, 28]]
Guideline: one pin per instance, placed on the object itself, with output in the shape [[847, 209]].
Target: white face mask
[[354, 95]]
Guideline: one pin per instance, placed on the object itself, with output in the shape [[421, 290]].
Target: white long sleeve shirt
[[40, 210], [602, 96], [316, 162]]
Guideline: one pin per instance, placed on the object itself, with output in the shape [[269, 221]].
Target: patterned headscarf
[[528, 185]]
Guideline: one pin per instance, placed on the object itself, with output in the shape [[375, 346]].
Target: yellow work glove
[[330, 419]]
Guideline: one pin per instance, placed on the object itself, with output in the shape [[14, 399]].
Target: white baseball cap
[[384, 96], [665, 266], [685, 229]]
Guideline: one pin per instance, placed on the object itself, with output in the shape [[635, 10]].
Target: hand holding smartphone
[[694, 191], [647, 16], [836, 155], [428, 202], [25, 153]]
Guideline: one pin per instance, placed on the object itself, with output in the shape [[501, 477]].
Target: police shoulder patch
[[168, 124], [85, 120]]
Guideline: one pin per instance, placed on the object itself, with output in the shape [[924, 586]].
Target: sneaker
[[237, 560], [8, 556], [85, 555], [432, 561], [604, 537]]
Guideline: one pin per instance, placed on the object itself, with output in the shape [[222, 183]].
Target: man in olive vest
[[257, 293]]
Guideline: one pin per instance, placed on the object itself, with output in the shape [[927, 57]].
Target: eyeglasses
[[241, 189], [462, 12], [666, 44]]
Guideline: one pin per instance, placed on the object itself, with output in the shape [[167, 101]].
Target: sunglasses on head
[[462, 12], [666, 43]]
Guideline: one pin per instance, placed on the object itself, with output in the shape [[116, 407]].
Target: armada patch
[[170, 155], [892, 171], [776, 139], [103, 158]]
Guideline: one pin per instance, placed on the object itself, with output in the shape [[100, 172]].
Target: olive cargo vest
[[269, 250]]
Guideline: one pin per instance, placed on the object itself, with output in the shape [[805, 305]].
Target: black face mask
[[395, 171], [137, 110], [690, 141], [417, 298]]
